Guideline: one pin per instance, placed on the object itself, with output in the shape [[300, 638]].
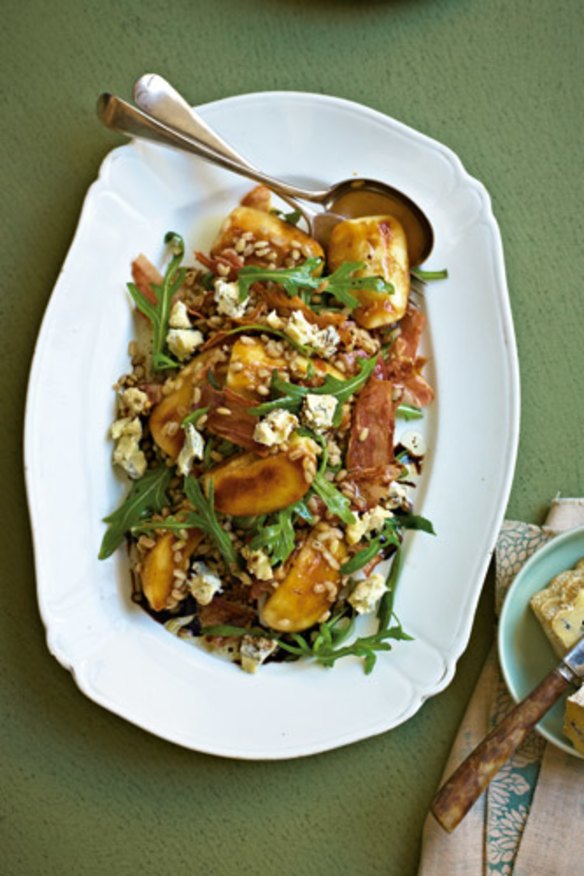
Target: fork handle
[[467, 783]]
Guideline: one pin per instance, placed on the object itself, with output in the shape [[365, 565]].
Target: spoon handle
[[157, 97], [121, 116], [465, 786]]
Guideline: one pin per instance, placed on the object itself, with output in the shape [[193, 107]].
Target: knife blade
[[467, 783]]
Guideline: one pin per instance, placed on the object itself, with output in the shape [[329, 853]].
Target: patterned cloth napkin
[[530, 820]]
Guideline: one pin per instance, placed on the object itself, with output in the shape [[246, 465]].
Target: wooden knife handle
[[467, 783]]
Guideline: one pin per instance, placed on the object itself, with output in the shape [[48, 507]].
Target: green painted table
[[501, 83]]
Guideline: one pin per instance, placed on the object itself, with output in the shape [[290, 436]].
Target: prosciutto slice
[[404, 366], [370, 460], [238, 426], [144, 274]]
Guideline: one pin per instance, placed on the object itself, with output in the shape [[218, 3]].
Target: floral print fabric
[[509, 794]]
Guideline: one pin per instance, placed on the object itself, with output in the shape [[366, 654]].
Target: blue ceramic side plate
[[524, 651]]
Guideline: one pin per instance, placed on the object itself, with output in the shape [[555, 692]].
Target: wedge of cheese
[[574, 720], [559, 607]]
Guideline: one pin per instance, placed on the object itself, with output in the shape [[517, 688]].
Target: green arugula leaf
[[291, 395], [409, 412], [303, 277], [425, 276], [412, 521], [324, 646], [340, 284], [292, 218], [208, 461], [158, 313], [204, 518], [385, 608], [291, 279], [147, 496], [384, 540], [336, 502], [196, 415], [389, 535], [277, 539]]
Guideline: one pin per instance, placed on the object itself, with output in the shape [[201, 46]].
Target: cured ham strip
[[404, 366], [144, 274], [227, 259], [371, 439], [278, 300], [370, 460], [408, 340], [417, 390], [238, 426]]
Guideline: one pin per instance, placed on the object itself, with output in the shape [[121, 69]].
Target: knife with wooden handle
[[467, 783]]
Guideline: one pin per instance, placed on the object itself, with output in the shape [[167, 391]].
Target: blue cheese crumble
[[367, 594], [134, 401], [322, 341], [203, 583], [276, 428], [258, 563], [227, 299], [179, 316], [254, 650], [193, 448], [182, 343], [127, 433], [318, 410], [370, 521]]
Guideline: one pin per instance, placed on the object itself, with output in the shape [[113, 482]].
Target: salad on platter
[[257, 427]]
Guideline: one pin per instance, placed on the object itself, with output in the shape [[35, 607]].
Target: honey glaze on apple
[[360, 202]]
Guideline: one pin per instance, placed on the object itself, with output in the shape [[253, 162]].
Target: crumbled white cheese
[[414, 443], [274, 321], [370, 521], [182, 343], [175, 624], [323, 341], [399, 496], [203, 584], [134, 401], [179, 316], [227, 299], [327, 341], [193, 448], [127, 432], [258, 564], [299, 329], [318, 410], [275, 428], [254, 650], [367, 594]]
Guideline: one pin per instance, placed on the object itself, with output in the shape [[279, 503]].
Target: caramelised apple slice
[[175, 406], [158, 567], [248, 485], [248, 361], [380, 243], [306, 593], [277, 236]]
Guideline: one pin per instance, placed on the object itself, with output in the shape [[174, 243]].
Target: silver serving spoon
[[350, 198]]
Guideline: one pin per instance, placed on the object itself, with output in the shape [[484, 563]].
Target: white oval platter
[[118, 655]]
